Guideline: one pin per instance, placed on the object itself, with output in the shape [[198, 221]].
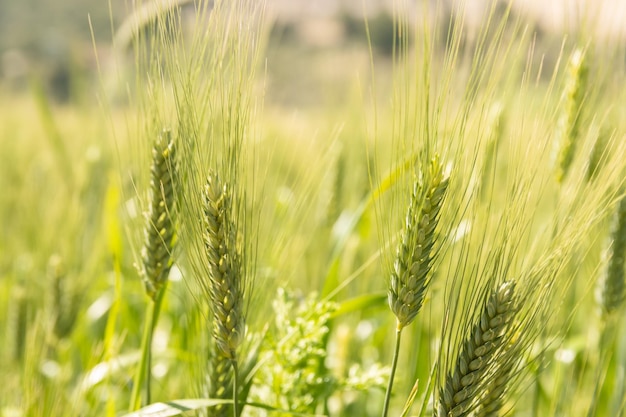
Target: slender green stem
[[148, 367], [156, 312], [235, 388], [537, 385], [540, 361], [138, 381], [618, 399], [605, 348], [394, 364], [142, 376]]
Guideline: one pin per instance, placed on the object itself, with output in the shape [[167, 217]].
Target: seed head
[[569, 123], [610, 293], [225, 267], [480, 352], [410, 276], [159, 232]]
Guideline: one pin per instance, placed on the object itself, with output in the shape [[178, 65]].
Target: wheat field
[[407, 214]]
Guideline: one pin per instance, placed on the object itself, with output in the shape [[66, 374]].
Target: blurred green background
[[52, 40]]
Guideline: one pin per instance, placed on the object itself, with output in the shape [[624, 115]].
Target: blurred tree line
[[50, 41]]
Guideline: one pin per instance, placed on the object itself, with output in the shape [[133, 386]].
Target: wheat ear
[[156, 255], [492, 402], [597, 154], [65, 300], [611, 287], [464, 386], [411, 270], [569, 123], [410, 276], [225, 286]]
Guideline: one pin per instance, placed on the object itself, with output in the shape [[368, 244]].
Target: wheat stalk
[[225, 284], [411, 270], [410, 276], [610, 295], [464, 386], [159, 233], [20, 318], [569, 123], [156, 254], [225, 269]]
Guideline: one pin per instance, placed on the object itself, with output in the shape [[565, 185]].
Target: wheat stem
[[605, 348], [394, 365], [235, 389], [143, 375], [21, 322], [140, 374]]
